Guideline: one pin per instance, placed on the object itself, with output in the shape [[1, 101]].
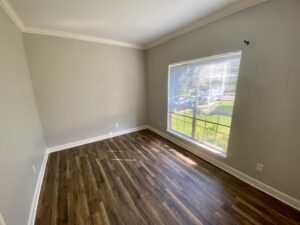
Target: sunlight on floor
[[184, 158], [124, 159]]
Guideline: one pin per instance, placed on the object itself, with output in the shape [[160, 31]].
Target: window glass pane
[[200, 133], [201, 98]]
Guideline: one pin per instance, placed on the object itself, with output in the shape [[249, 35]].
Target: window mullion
[[202, 92], [195, 112]]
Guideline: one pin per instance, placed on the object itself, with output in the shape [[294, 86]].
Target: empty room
[[161, 112]]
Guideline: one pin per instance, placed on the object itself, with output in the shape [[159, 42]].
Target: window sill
[[198, 144]]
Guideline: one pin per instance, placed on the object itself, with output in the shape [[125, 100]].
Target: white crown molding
[[227, 11], [198, 24], [293, 202], [7, 7], [82, 37]]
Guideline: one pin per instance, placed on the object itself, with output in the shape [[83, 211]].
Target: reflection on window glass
[[201, 98]]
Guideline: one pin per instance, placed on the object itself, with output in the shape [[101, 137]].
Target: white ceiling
[[138, 22]]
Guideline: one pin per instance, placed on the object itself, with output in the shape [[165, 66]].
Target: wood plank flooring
[[141, 178]]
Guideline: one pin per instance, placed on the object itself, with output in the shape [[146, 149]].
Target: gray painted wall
[[84, 89], [266, 120], [21, 139]]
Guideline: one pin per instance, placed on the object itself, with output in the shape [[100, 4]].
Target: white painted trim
[[253, 182], [37, 191], [227, 11], [2, 222], [199, 144], [7, 7], [82, 37], [293, 202], [77, 36], [94, 139]]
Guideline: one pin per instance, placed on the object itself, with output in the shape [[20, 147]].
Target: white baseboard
[[2, 222], [94, 139], [293, 202], [37, 191]]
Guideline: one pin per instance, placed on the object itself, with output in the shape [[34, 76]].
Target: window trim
[[200, 144]]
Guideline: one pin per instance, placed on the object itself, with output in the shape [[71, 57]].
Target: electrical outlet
[[159, 124], [2, 222], [33, 169], [259, 167], [117, 125]]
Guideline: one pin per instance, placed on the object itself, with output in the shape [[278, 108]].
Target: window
[[201, 99]]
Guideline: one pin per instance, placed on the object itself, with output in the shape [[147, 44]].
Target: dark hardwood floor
[[141, 178]]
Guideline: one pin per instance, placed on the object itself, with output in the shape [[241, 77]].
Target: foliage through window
[[201, 98]]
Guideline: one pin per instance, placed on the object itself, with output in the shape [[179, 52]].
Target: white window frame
[[193, 141]]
